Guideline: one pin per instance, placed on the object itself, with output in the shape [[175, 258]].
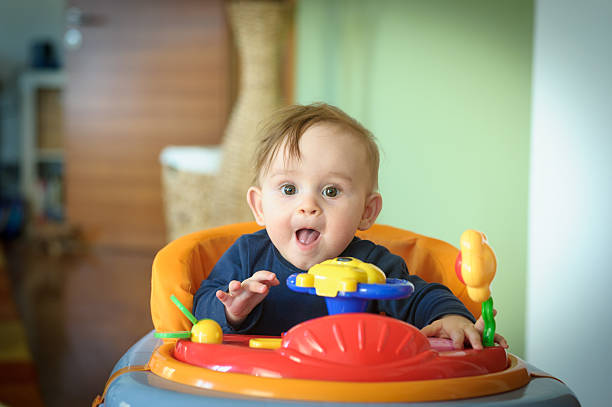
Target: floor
[[81, 312]]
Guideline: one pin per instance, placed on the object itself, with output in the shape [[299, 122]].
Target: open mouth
[[307, 236]]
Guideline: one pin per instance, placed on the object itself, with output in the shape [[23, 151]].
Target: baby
[[316, 184]]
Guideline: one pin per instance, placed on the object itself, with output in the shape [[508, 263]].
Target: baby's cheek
[[343, 233]]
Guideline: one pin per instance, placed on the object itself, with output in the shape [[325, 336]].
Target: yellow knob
[[304, 280], [206, 331]]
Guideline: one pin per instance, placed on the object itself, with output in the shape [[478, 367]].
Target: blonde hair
[[288, 124]]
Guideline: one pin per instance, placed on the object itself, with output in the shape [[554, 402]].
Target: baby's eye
[[330, 192], [288, 189]]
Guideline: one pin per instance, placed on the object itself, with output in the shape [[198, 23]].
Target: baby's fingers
[[458, 338], [473, 336], [255, 287], [433, 329], [224, 297], [234, 287], [265, 277], [500, 340]]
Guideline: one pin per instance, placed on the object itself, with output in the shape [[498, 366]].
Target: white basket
[[188, 180]]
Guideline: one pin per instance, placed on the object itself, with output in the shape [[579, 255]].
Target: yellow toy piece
[[340, 274], [265, 343], [478, 264], [207, 331]]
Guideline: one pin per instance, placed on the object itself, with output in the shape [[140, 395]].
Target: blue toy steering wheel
[[348, 284]]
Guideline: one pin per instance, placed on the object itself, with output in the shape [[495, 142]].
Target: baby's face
[[312, 207]]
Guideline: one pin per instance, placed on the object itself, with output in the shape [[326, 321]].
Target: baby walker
[[348, 356]]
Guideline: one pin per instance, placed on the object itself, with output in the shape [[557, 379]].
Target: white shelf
[[29, 83]]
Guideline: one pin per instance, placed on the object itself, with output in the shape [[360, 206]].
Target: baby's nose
[[308, 206]]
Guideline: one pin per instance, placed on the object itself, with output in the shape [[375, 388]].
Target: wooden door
[[148, 73]]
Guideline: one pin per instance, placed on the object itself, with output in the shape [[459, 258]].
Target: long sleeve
[[233, 265]]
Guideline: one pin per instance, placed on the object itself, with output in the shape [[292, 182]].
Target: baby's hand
[[460, 330], [243, 297]]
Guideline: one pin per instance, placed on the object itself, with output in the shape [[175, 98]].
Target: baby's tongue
[[307, 236]]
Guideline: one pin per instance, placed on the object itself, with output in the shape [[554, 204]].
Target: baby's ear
[[253, 197], [373, 206]]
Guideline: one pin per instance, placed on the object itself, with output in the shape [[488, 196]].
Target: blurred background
[[126, 124]]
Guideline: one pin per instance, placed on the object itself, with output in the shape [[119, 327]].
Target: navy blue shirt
[[282, 308]]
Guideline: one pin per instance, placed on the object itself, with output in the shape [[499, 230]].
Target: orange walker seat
[[181, 266]]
